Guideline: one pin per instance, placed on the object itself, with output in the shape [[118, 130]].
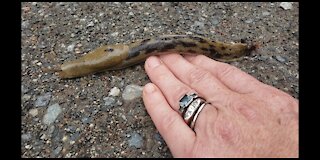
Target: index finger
[[232, 77]]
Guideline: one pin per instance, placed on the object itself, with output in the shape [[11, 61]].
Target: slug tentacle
[[112, 57]]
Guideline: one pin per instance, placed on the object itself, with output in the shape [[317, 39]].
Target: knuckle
[[197, 75], [227, 71]]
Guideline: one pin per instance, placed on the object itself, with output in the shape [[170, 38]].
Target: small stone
[[65, 138], [43, 100], [28, 146], [24, 89], [26, 137], [249, 21], [280, 58], [199, 24], [135, 140], [109, 101], [131, 14], [131, 92], [72, 35], [263, 58], [25, 24], [52, 113], [86, 120], [91, 125], [70, 129], [33, 112], [286, 5], [265, 13], [114, 34], [215, 21], [70, 47], [51, 129], [57, 151], [26, 97], [39, 63], [90, 24], [115, 91], [188, 32]]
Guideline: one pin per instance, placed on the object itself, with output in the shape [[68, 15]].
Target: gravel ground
[[103, 115]]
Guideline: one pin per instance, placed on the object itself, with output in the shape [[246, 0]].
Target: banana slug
[[119, 56]]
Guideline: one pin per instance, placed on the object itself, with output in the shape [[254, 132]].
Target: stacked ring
[[190, 107]]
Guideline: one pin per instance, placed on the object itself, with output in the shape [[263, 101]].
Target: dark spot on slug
[[109, 50], [211, 46], [199, 39], [213, 41], [145, 41], [191, 51], [223, 48], [165, 39], [187, 44], [149, 48], [204, 49]]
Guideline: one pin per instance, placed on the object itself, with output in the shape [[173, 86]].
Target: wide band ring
[[194, 119], [192, 110]]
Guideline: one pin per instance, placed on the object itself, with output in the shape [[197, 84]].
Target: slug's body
[[112, 57]]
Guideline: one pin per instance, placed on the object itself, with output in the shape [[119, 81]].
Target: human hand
[[246, 118]]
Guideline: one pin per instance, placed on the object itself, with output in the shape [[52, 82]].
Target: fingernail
[[149, 88], [153, 62]]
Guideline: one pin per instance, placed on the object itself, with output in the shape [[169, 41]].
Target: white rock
[[70, 47], [286, 5], [131, 92], [114, 34], [52, 113], [115, 91], [33, 112]]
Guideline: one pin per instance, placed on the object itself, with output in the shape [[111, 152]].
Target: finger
[[232, 77], [197, 78], [172, 88], [170, 124]]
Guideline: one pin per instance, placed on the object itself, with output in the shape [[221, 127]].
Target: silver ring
[[192, 109], [186, 100], [193, 122]]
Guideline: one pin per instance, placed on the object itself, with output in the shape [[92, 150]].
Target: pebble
[[26, 97], [249, 21], [86, 120], [91, 24], [70, 47], [115, 91], [199, 24], [24, 89], [131, 92], [263, 57], [265, 13], [135, 140], [70, 129], [131, 14], [33, 112], [57, 151], [43, 100], [52, 113], [215, 21], [109, 101], [280, 58], [26, 137], [114, 34], [25, 24], [286, 5]]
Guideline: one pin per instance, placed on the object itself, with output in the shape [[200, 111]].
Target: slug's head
[[230, 52]]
